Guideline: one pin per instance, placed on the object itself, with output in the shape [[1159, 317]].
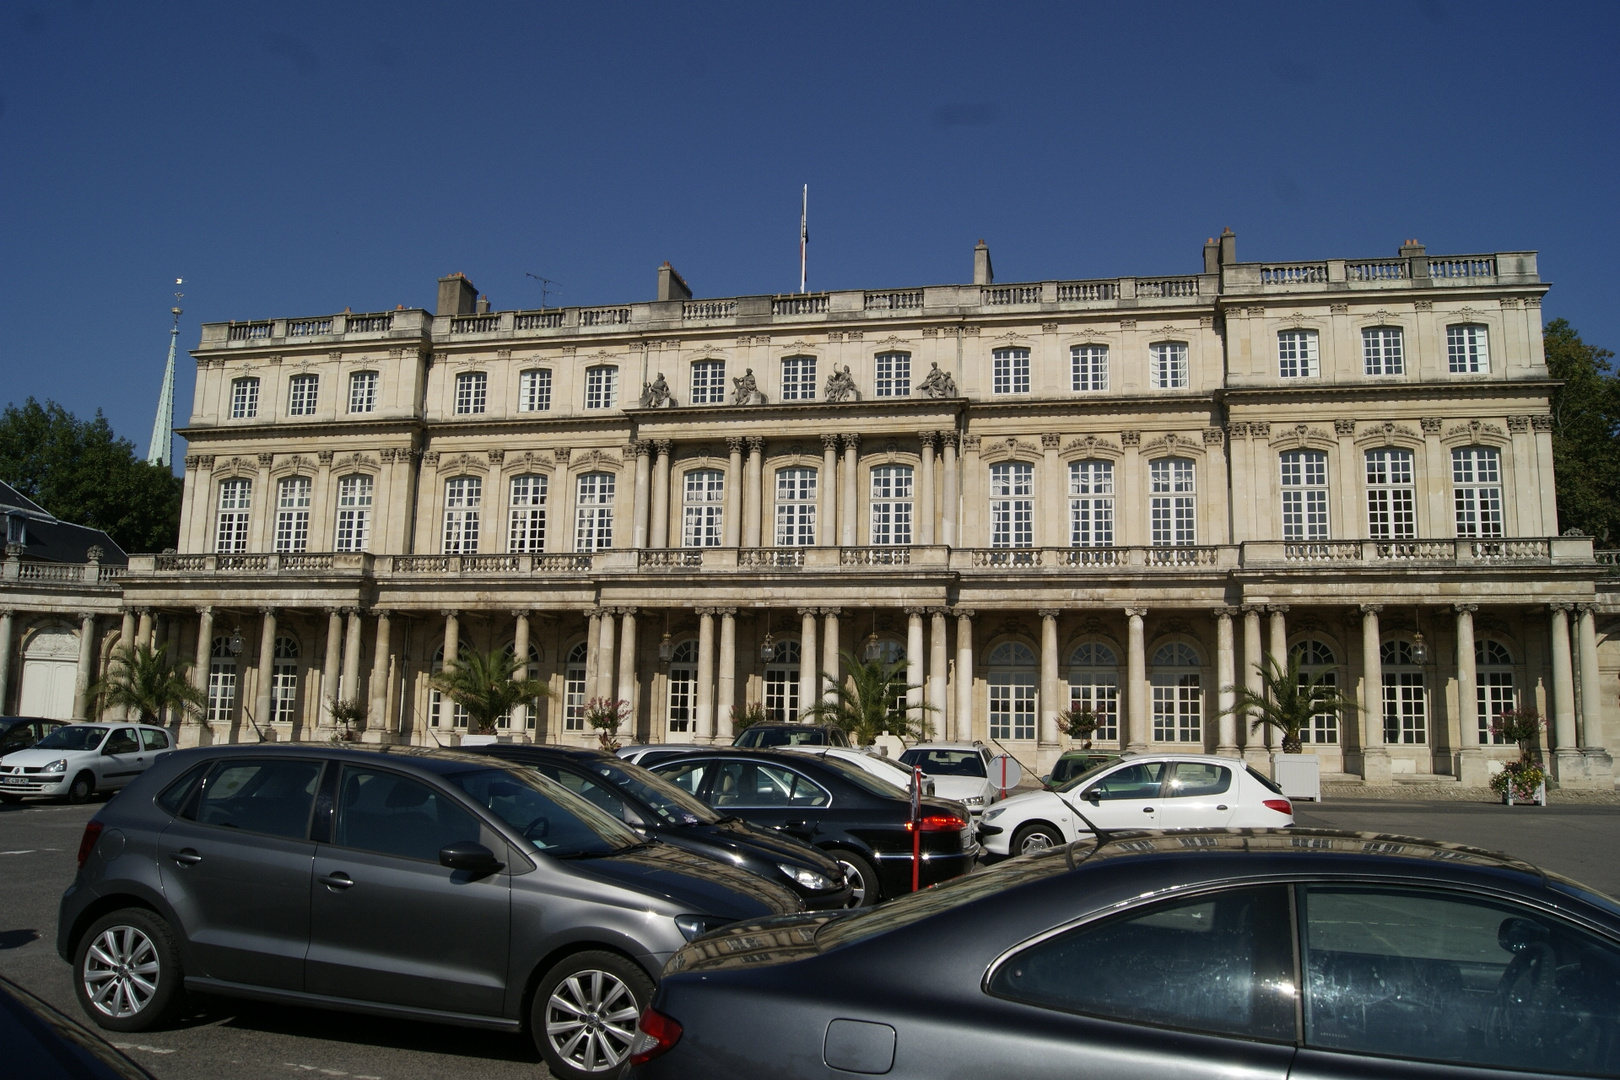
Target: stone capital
[[87, 617], [725, 612], [663, 446], [1369, 609], [832, 612], [851, 442], [1564, 607], [1136, 612], [447, 613], [1277, 609], [964, 612], [808, 611], [916, 612], [266, 609], [382, 613], [734, 443], [949, 438], [206, 609], [1586, 609], [1465, 609], [756, 445], [1049, 613], [1224, 612], [930, 440], [1050, 440], [829, 442], [520, 613]]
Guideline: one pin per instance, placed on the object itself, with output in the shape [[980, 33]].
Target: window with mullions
[[1178, 695], [1406, 705], [682, 708], [782, 683], [1167, 363], [702, 502], [354, 512], [284, 682], [244, 399], [292, 514], [708, 382], [526, 514], [593, 514], [795, 507], [891, 505], [1296, 355], [601, 386], [1476, 486], [463, 499], [1088, 367], [1304, 495], [1172, 503], [1467, 350], [302, 391], [436, 699], [1091, 504], [363, 392], [1094, 686], [1012, 505], [472, 393], [1317, 662], [221, 681], [1013, 672], [893, 374], [574, 688], [1382, 351], [799, 378], [231, 523], [1494, 689], [1391, 495], [534, 390], [1009, 371]]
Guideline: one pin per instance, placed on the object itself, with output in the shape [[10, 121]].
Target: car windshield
[[73, 737], [669, 802], [776, 736], [1078, 781], [946, 762], [902, 775], [546, 814]]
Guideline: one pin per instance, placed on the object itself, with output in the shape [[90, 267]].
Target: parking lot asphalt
[[249, 1041]]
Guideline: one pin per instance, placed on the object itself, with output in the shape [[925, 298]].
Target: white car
[[79, 760], [1149, 791], [961, 771], [885, 769]]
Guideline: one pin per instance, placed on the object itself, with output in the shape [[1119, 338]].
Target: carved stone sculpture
[[841, 386], [655, 395], [937, 384], [746, 390]]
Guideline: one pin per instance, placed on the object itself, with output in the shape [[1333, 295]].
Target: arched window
[[458, 712], [1316, 661], [593, 512], [782, 683], [292, 513], [795, 507], [1013, 671], [1094, 685], [1494, 688], [1012, 505], [702, 505], [1304, 495], [354, 512], [463, 499], [526, 514], [284, 682], [1406, 706], [1091, 504], [574, 688], [221, 681], [1178, 695], [527, 671], [1172, 503], [235, 503], [683, 689], [891, 505], [798, 378]]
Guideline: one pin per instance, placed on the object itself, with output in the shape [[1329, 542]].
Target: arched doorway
[[50, 662]]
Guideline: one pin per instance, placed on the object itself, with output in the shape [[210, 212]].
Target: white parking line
[[30, 851], [143, 1046], [330, 1072]]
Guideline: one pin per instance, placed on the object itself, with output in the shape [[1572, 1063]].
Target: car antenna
[[1101, 836]]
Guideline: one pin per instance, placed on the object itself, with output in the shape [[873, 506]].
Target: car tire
[[83, 786], [11, 800], [126, 971], [584, 1013], [862, 878], [1036, 836]]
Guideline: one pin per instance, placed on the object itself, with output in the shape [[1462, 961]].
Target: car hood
[[741, 838], [1030, 802], [34, 757], [702, 885], [957, 787]]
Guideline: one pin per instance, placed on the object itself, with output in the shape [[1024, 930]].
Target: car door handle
[[1147, 809], [794, 824], [1220, 806], [186, 857], [338, 880]]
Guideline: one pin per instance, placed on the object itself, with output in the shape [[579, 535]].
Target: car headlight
[[974, 800], [991, 815], [59, 765], [693, 927], [805, 877]]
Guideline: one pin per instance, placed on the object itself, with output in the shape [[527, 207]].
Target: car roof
[[427, 758], [947, 746], [521, 751]]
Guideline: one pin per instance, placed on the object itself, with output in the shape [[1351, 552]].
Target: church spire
[[161, 450]]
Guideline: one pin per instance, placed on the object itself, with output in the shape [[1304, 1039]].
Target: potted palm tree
[[487, 686], [875, 699], [147, 682], [1288, 703]]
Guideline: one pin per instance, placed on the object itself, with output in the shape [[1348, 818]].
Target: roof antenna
[[547, 286]]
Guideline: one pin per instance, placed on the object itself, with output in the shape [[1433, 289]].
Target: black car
[[1252, 954], [859, 820], [764, 736], [655, 807], [40, 1043], [22, 732]]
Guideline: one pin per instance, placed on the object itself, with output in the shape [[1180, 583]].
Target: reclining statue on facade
[[747, 390], [937, 384], [655, 395], [841, 386]]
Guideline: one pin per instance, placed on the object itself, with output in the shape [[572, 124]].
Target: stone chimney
[[456, 296], [671, 286], [1228, 246], [982, 272], [1212, 256], [482, 307], [1412, 249]]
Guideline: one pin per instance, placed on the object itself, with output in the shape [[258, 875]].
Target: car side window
[[122, 741], [1438, 976], [1140, 781], [272, 797], [1195, 778], [391, 814], [600, 794], [1213, 962], [18, 738], [154, 739], [688, 775]]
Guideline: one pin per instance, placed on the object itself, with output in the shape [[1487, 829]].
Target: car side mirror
[[1091, 795], [1047, 779], [471, 856]]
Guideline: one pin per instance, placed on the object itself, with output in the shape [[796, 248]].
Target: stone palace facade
[[1118, 493]]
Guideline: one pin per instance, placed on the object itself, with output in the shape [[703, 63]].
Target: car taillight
[[655, 1035], [938, 823], [1282, 806], [87, 842]]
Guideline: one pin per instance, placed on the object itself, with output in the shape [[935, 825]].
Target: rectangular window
[[1476, 480], [1172, 503], [795, 507], [1296, 355], [526, 523], [354, 513], [1009, 371], [292, 514], [1405, 708], [283, 692], [891, 505], [893, 374], [799, 378], [1304, 495], [1099, 692], [1091, 504], [682, 697], [704, 494], [221, 690], [574, 696], [601, 386], [1466, 350], [1381, 351], [244, 399], [708, 382], [1391, 495], [1012, 706], [593, 515], [534, 390], [463, 497], [1012, 505], [1178, 708], [472, 393], [1088, 367], [782, 691], [1168, 361], [235, 503], [363, 392], [302, 391]]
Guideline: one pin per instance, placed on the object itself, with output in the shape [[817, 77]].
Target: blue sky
[[298, 158]]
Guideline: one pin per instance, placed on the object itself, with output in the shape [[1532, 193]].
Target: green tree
[[147, 682], [1586, 433], [1288, 701], [83, 473], [874, 699], [487, 686]]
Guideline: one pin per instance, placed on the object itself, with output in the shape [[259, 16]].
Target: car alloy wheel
[[84, 786], [1032, 838], [863, 891], [128, 971], [587, 1018]]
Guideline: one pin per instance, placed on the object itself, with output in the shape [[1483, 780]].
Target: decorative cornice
[[1090, 445]]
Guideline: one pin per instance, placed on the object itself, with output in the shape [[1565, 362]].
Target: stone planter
[[1539, 799], [480, 740], [1299, 775]]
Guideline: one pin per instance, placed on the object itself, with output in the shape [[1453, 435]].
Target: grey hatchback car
[[404, 882]]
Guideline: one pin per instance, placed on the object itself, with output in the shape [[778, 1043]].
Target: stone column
[[1048, 730], [937, 662], [809, 680], [126, 640], [828, 676], [1140, 722], [951, 493], [827, 493], [143, 627], [330, 684], [1470, 760], [1374, 754], [643, 507], [848, 489], [925, 490], [658, 533], [1590, 727], [85, 671], [1567, 761], [604, 655], [914, 662], [593, 650], [627, 661], [520, 650], [705, 676], [1226, 681], [726, 683], [262, 702], [1277, 647], [377, 719], [7, 629], [751, 493], [962, 726], [351, 656], [732, 508], [1254, 752], [205, 648]]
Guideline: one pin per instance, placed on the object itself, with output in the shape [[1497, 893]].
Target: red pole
[[916, 828]]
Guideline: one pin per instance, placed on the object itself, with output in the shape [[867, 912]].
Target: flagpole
[[804, 235]]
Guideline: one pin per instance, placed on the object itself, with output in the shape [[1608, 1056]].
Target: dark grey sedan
[[428, 885], [1288, 955]]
